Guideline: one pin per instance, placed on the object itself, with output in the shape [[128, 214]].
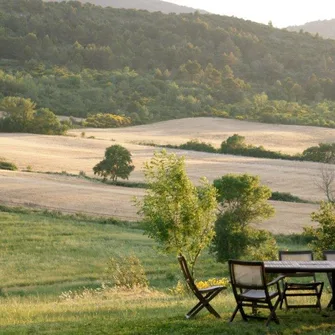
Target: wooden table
[[303, 266]]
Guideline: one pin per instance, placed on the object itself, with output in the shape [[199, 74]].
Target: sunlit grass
[[47, 261], [145, 312]]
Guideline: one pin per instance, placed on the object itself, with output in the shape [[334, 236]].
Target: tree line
[[78, 59]]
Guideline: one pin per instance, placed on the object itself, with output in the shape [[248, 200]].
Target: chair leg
[[284, 299], [204, 302], [330, 303], [194, 310], [213, 311], [319, 293], [273, 315], [234, 313]]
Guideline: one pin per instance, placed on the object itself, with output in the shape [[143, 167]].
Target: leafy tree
[[19, 111], [46, 122], [242, 201], [324, 234], [177, 214], [324, 152], [233, 142], [117, 163]]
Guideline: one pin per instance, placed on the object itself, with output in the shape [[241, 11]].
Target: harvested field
[[74, 153]]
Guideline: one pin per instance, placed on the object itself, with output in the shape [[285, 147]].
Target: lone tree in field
[[177, 214], [117, 163], [242, 201]]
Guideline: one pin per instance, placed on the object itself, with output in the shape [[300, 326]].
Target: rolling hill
[[325, 28], [149, 5]]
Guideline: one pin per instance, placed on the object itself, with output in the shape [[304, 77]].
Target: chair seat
[[212, 288], [257, 294]]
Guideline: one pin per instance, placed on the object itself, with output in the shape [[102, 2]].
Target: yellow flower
[[212, 282]]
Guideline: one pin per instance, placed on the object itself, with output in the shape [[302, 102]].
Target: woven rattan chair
[[329, 255], [251, 290], [295, 288], [204, 295]]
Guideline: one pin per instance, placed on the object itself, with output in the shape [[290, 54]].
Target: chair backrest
[[187, 274], [329, 255], [247, 274], [301, 255]]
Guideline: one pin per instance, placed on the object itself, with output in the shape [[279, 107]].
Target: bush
[[7, 166], [262, 245], [126, 272], [324, 233], [283, 196], [196, 145], [101, 120]]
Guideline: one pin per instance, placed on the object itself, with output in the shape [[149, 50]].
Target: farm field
[[75, 153]]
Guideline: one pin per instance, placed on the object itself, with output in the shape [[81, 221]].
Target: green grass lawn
[[43, 255]]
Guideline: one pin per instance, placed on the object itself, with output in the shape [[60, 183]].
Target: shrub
[[324, 233], [262, 245], [283, 196], [7, 166], [196, 145], [126, 272], [102, 120]]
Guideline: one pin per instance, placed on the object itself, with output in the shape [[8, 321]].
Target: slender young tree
[[178, 215]]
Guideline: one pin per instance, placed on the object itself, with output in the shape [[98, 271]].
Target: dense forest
[[324, 28], [79, 59], [149, 5]]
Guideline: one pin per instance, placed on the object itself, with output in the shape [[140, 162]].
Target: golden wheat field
[[77, 152]]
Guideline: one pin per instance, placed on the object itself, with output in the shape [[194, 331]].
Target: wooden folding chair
[[204, 295], [329, 255], [296, 288], [251, 290]]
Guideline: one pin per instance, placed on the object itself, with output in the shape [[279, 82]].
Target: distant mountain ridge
[[325, 28], [149, 5]]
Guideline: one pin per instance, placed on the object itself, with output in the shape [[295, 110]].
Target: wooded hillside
[[77, 59], [149, 5]]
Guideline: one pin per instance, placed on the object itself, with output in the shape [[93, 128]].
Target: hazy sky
[[282, 13]]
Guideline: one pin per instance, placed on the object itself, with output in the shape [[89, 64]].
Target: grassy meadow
[[52, 267]]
